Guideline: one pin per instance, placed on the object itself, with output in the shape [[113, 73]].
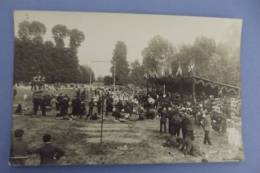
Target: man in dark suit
[[163, 120], [176, 123], [49, 154], [187, 126]]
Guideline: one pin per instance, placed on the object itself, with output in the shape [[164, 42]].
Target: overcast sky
[[103, 30]]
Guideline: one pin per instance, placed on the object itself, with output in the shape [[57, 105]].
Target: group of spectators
[[178, 117]]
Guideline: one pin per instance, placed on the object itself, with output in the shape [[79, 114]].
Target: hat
[[46, 137], [18, 133]]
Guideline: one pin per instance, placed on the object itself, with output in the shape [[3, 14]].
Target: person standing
[[170, 120], [187, 126], [82, 109], [91, 105], [43, 104], [99, 105], [163, 120], [49, 154], [19, 149], [64, 105], [206, 127], [36, 103], [176, 123]]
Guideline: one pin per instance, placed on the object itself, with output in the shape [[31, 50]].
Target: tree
[[76, 37], [60, 32], [37, 30], [217, 62], [24, 31], [108, 80], [86, 71], [57, 63], [157, 54], [137, 73], [120, 64], [31, 31]]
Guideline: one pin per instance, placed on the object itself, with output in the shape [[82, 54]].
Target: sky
[[103, 30]]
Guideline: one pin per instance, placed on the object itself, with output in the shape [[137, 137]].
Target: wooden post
[[164, 89], [181, 88], [102, 121], [147, 87], [193, 91]]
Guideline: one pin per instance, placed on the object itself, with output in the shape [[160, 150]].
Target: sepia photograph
[[92, 88]]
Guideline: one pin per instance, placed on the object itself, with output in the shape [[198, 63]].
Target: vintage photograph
[[117, 88]]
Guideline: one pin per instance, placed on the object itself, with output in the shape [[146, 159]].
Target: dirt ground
[[130, 142]]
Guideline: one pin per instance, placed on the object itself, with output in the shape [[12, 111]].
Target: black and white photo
[[120, 88]]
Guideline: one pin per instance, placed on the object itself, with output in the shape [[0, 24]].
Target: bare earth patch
[[129, 142]]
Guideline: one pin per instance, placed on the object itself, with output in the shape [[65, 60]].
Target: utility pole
[[114, 71], [102, 97], [102, 118], [90, 78]]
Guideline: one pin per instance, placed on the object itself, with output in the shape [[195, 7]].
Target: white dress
[[234, 137]]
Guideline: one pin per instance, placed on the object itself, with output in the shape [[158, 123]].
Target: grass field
[[123, 142]]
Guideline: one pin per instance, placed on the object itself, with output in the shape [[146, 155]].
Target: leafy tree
[[158, 53], [108, 80], [37, 31], [86, 71], [120, 64], [60, 32], [137, 73], [76, 37], [217, 62], [24, 31], [54, 61]]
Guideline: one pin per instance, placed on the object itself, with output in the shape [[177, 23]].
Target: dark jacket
[[49, 154], [187, 124], [19, 151], [164, 116], [19, 148]]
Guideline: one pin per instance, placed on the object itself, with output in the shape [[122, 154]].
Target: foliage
[[217, 62], [86, 71], [120, 64], [157, 54], [212, 61], [108, 80], [137, 73], [56, 62], [60, 32]]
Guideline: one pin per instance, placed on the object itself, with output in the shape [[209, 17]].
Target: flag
[[179, 71], [163, 71], [146, 76], [191, 67], [170, 70]]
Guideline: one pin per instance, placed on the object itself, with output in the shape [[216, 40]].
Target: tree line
[[52, 59], [218, 62], [57, 59]]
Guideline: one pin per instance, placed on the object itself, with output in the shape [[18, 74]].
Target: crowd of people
[[177, 117]]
